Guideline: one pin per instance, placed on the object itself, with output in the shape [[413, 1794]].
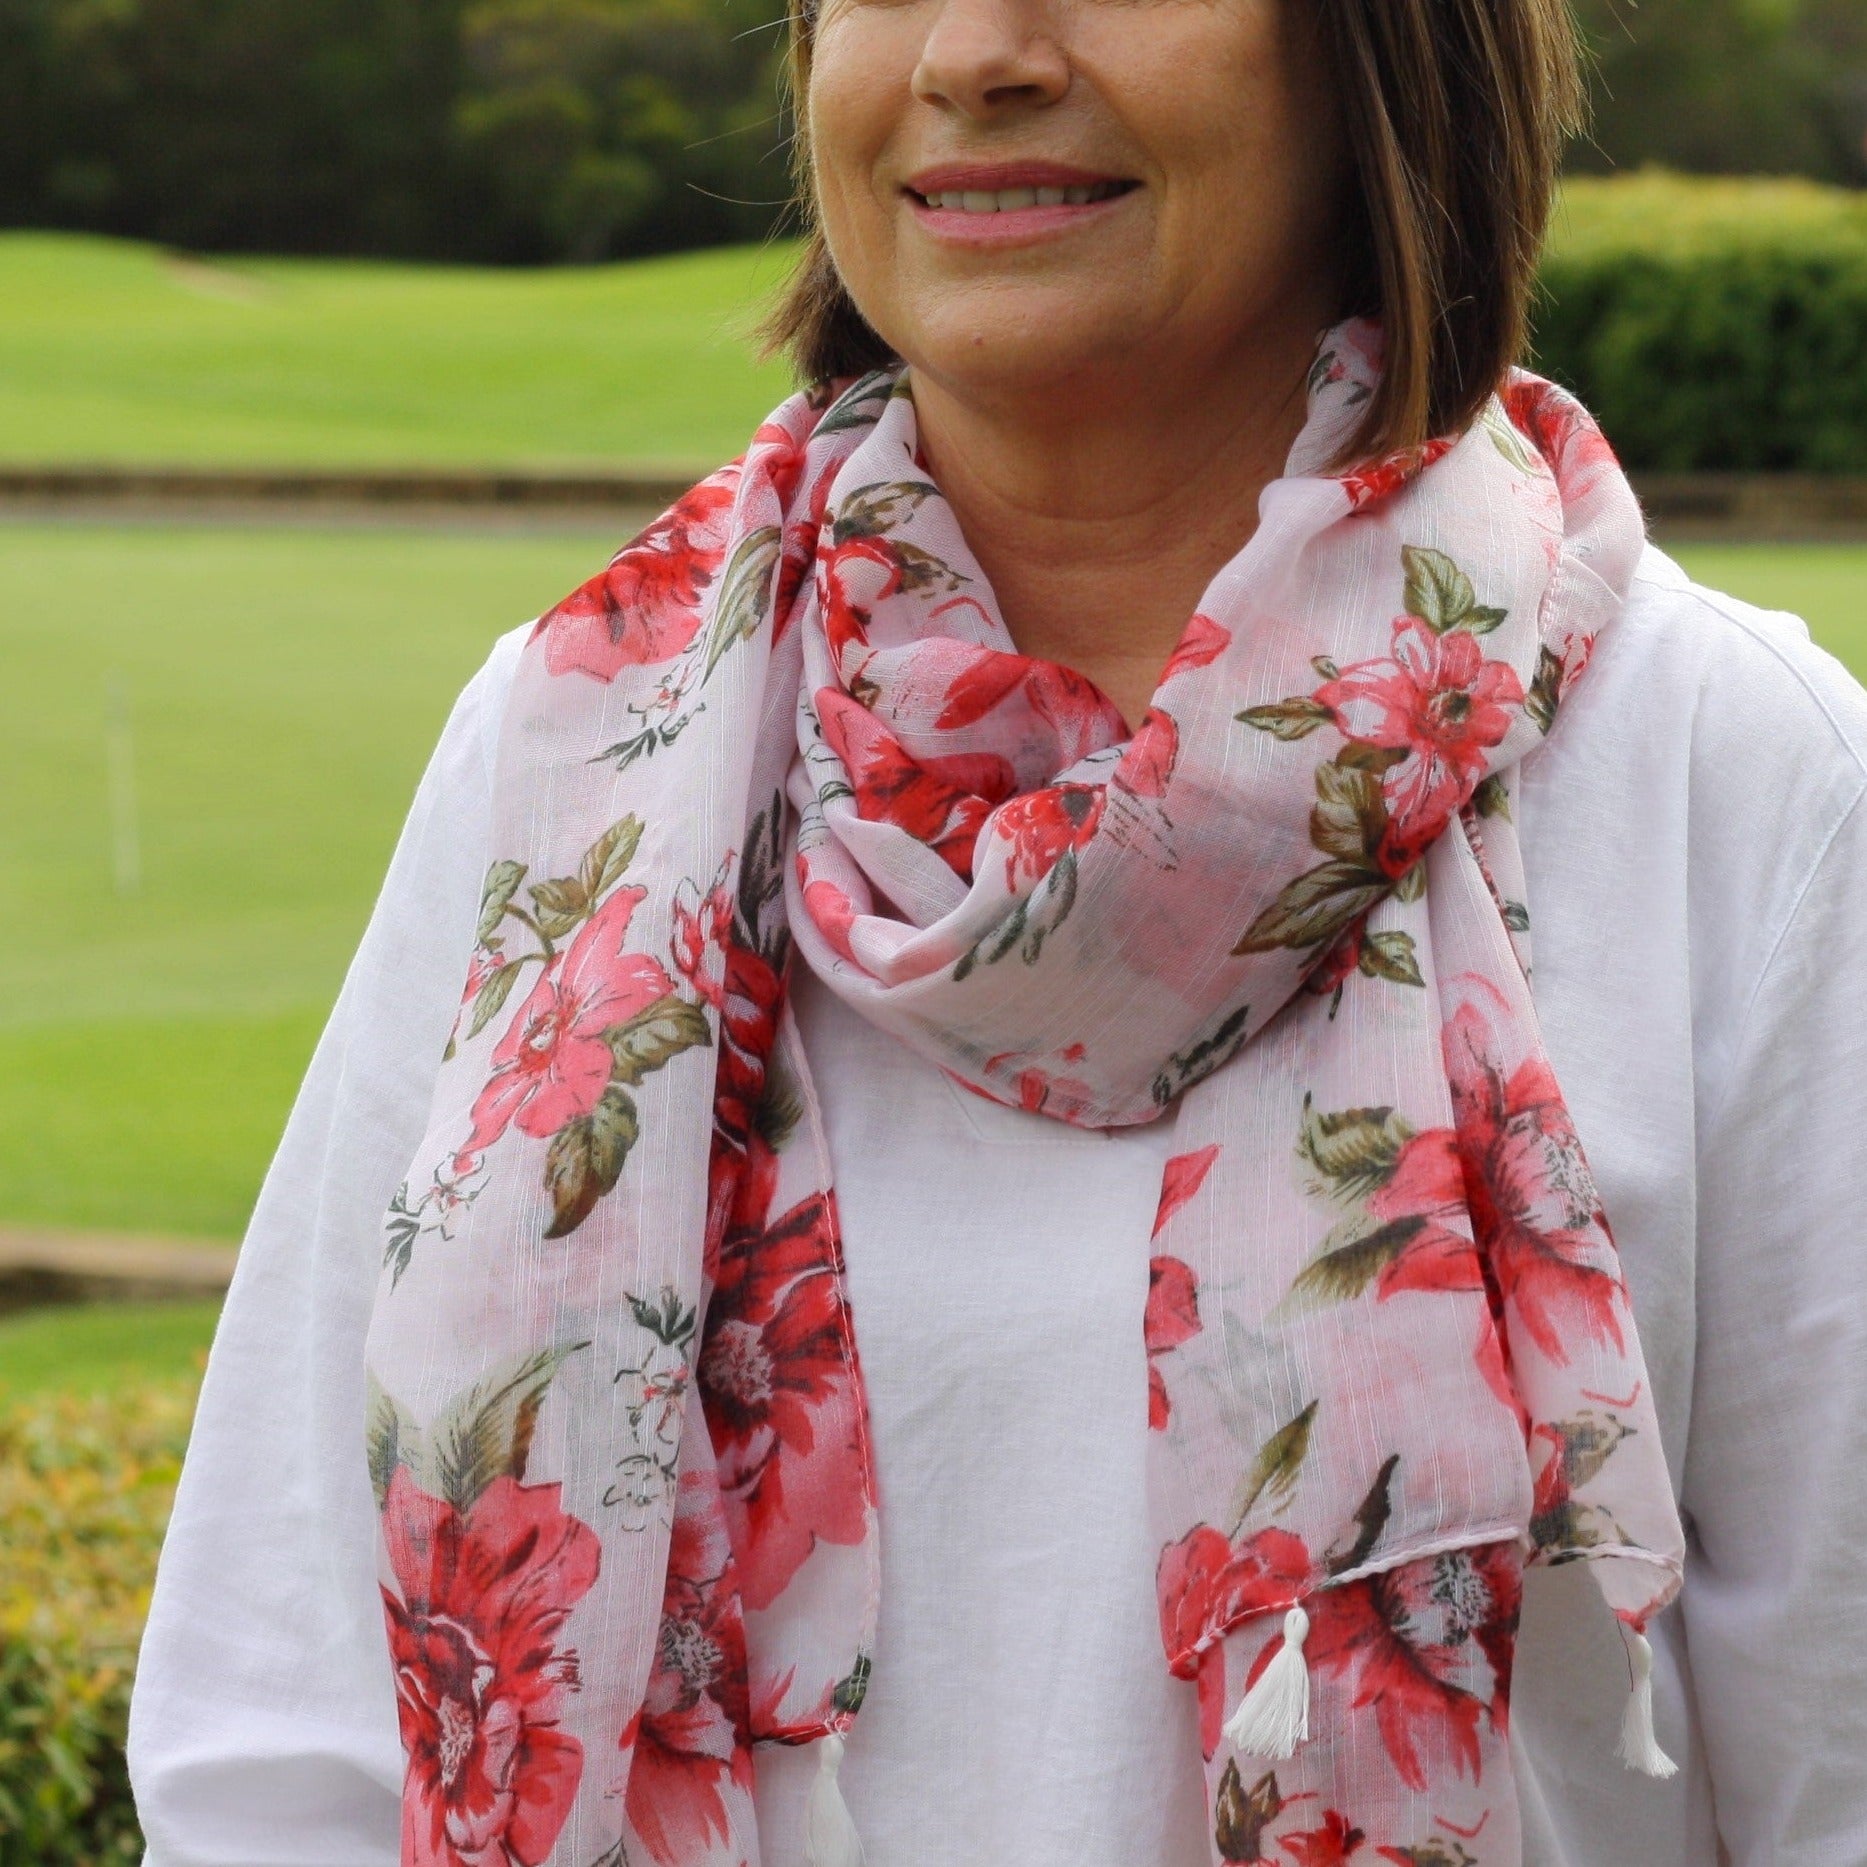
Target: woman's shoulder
[[1733, 671]]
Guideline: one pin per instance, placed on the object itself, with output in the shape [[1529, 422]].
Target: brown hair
[[1456, 112]]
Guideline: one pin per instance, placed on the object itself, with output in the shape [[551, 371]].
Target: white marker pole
[[120, 752]]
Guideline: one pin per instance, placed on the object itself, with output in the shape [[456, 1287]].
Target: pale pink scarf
[[617, 1429]]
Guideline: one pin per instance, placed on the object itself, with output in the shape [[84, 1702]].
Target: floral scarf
[[616, 1428]]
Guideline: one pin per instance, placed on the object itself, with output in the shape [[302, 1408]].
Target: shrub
[[1713, 324], [85, 1490]]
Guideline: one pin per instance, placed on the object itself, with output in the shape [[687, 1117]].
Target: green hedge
[[1713, 324], [85, 1490]]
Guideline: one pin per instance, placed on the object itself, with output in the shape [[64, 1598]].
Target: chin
[[1023, 347]]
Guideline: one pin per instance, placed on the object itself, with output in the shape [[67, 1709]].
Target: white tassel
[[830, 1838], [1273, 1717], [1640, 1748]]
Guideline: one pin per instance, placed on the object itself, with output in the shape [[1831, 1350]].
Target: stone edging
[[1682, 506], [41, 1267]]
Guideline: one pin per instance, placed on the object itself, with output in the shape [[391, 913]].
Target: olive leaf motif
[[1295, 718], [1492, 798], [1347, 824], [1545, 694], [740, 606], [1352, 1256], [1393, 956], [502, 883], [879, 507], [1274, 1472], [560, 903], [491, 996], [654, 1036], [483, 1433], [586, 1157], [858, 405], [1353, 1151], [1241, 1815], [1441, 594]]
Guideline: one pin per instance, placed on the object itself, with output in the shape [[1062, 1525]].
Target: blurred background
[[338, 336]]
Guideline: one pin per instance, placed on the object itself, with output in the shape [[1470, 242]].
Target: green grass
[[285, 689], [111, 351], [101, 1347]]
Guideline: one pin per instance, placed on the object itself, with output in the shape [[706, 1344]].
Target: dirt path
[[41, 1265]]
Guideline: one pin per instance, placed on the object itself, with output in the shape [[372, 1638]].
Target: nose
[[985, 58]]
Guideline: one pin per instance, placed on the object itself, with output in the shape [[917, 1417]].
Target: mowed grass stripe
[[286, 688], [111, 351]]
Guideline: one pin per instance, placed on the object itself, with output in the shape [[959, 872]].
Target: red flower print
[[1427, 1185], [1172, 1318], [774, 1374], [473, 1633], [1146, 768], [1441, 703], [646, 606], [891, 787], [1533, 1201], [1038, 827], [1334, 1844], [1183, 1176], [702, 927], [1202, 644], [1413, 1642], [833, 914], [1081, 717], [691, 1735], [1378, 480], [1560, 429], [552, 1064], [851, 580], [1206, 1586]]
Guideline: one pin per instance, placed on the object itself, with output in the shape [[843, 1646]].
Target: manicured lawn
[[101, 1347], [285, 688], [110, 351]]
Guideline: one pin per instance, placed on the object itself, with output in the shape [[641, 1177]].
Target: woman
[[879, 900]]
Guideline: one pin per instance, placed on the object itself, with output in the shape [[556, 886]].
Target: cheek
[[858, 95]]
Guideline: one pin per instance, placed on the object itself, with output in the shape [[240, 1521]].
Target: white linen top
[[1696, 846]]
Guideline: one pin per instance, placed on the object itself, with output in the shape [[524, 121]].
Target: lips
[[1013, 187]]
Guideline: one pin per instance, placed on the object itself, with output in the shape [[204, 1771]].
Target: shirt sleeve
[[263, 1723], [1775, 1482]]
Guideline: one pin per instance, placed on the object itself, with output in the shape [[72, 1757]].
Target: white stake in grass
[[120, 756]]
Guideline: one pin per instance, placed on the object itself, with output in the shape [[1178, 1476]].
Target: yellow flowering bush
[[86, 1483]]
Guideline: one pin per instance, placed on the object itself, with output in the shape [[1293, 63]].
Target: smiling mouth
[[1016, 200]]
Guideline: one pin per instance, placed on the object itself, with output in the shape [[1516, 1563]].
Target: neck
[[1101, 510]]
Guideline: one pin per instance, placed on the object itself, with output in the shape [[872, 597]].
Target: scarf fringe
[[1272, 1718], [1639, 1746], [830, 1837]]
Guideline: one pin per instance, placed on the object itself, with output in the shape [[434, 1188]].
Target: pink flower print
[[1202, 644], [1146, 768], [1172, 1318], [1439, 701], [702, 928], [553, 1063], [1182, 1177], [646, 607]]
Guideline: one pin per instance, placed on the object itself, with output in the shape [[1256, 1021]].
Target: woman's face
[[1022, 191]]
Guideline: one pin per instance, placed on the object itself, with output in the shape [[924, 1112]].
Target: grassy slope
[[110, 352]]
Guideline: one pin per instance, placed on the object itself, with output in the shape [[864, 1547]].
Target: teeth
[[1010, 200]]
